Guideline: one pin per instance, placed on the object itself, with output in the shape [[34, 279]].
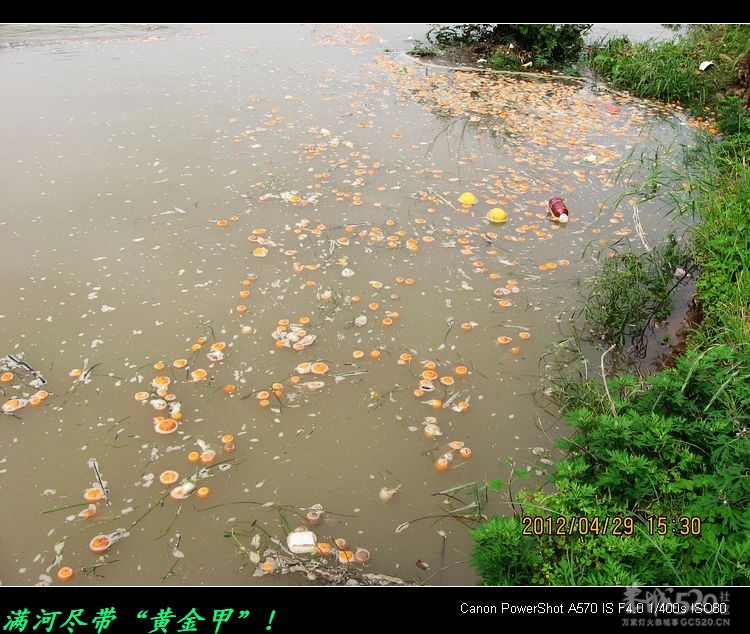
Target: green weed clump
[[632, 291]]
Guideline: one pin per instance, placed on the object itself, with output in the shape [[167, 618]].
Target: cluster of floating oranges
[[429, 377], [16, 403], [293, 335], [23, 399], [455, 447]]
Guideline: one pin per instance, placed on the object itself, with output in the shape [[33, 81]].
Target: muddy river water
[[257, 231]]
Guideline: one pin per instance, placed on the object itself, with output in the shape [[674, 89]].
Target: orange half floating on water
[[161, 381], [93, 494], [165, 426], [65, 573], [13, 404], [319, 367], [100, 544], [198, 375], [169, 476]]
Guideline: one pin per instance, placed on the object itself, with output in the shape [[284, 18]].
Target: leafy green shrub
[[509, 46], [679, 445], [732, 116], [551, 43]]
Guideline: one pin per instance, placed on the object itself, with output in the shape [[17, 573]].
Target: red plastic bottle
[[558, 209]]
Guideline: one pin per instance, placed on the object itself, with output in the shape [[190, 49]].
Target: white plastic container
[[302, 541]]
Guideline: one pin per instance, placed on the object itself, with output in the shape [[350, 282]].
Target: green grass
[[669, 71]]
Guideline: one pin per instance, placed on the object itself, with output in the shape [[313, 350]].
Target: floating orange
[[194, 456], [203, 493], [374, 354], [229, 388], [447, 380], [179, 363], [166, 426], [161, 381], [208, 456], [168, 477], [6, 376], [442, 464], [467, 326], [198, 375], [100, 544], [319, 367], [221, 223], [229, 447], [227, 438], [460, 370], [346, 556], [465, 453], [358, 354], [503, 339], [94, 494], [524, 334], [65, 573], [141, 396], [429, 375]]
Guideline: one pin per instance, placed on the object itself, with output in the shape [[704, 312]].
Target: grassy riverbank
[[654, 488]]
